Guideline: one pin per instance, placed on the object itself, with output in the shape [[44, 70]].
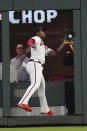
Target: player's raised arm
[[50, 52]]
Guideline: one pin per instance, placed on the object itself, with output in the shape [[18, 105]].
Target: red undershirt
[[30, 42]]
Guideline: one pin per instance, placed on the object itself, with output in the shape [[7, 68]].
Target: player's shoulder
[[36, 38]]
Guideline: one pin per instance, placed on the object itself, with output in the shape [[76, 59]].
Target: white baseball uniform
[[34, 68]]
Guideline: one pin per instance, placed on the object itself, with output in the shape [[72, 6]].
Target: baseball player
[[34, 68]]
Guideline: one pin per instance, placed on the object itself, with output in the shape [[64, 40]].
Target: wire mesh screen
[[56, 104], [58, 72], [1, 100], [1, 92]]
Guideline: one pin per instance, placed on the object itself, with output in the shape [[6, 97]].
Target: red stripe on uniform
[[33, 85]]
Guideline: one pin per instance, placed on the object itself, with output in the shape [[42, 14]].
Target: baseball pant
[[34, 69]]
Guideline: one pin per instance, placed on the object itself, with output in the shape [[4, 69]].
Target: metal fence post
[[6, 63]]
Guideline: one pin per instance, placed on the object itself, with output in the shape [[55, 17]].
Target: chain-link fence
[[58, 72], [56, 104]]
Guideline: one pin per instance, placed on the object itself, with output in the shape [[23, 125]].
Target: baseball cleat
[[48, 113], [24, 106]]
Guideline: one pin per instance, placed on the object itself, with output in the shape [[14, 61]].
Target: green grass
[[73, 128]]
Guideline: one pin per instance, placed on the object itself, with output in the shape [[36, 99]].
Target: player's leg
[[35, 71], [42, 97]]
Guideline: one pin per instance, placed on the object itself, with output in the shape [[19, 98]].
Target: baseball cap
[[37, 29]]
